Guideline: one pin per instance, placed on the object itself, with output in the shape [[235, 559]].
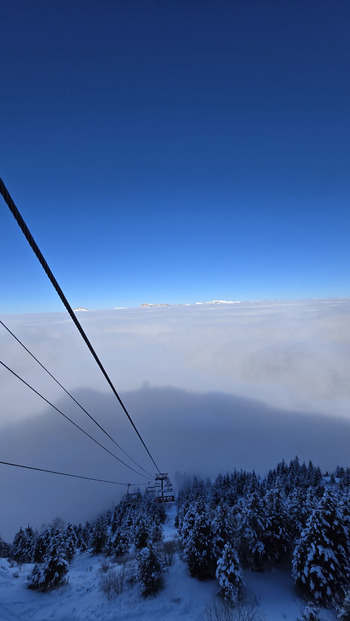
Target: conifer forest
[[296, 517]]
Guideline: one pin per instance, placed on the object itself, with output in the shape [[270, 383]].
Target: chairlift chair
[[132, 498]]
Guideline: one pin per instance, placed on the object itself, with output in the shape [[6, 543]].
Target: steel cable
[[70, 420], [64, 474], [73, 398], [21, 223]]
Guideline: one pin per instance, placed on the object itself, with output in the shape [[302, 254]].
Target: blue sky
[[175, 152]]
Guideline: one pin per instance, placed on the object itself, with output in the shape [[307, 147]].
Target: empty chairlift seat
[[132, 498], [161, 490]]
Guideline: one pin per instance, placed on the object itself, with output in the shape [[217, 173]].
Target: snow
[[220, 302], [168, 527], [182, 598], [224, 302], [276, 594]]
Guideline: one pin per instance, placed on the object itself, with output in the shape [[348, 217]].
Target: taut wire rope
[[69, 419], [71, 396], [66, 474], [30, 239]]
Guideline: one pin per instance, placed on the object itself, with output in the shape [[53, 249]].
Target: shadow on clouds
[[184, 431]]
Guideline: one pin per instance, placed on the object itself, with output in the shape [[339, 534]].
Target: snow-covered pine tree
[[70, 542], [81, 537], [158, 512], [310, 613], [4, 548], [155, 532], [344, 612], [252, 526], [321, 556], [199, 552], [141, 533], [149, 571], [298, 512], [344, 482], [314, 476], [98, 535], [119, 542], [52, 572], [41, 546], [253, 483], [239, 481], [277, 531], [117, 517], [218, 491], [84, 536], [23, 545], [344, 508], [188, 521], [283, 473], [228, 574], [222, 527]]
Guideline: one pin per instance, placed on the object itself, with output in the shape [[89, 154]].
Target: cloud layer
[[210, 388]]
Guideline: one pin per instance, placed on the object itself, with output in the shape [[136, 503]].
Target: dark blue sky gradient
[[175, 151]]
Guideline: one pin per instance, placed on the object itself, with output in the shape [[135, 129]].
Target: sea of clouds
[[210, 387]]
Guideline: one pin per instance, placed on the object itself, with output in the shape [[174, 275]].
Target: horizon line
[[152, 305]]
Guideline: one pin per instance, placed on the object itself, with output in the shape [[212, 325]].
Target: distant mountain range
[[147, 305]]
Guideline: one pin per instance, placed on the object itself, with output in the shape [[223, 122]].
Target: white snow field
[[270, 595]]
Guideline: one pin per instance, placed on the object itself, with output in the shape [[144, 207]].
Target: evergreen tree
[[70, 542], [310, 613], [149, 571], [277, 530], [119, 542], [187, 523], [5, 548], [218, 492], [23, 545], [141, 533], [159, 512], [41, 546], [155, 533], [344, 508], [251, 532], [344, 612], [229, 575], [85, 536], [321, 556], [314, 475], [199, 550], [98, 535], [298, 512], [283, 473], [222, 528], [82, 538], [53, 571]]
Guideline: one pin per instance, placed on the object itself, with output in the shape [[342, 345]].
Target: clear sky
[[165, 151]]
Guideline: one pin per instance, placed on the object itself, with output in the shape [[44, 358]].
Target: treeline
[[293, 516], [112, 534]]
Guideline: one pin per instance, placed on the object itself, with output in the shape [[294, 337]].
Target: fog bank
[[211, 388]]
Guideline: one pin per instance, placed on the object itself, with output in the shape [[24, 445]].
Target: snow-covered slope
[[271, 595]]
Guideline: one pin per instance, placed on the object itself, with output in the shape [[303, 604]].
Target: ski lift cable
[[73, 398], [21, 223], [66, 474], [70, 420]]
